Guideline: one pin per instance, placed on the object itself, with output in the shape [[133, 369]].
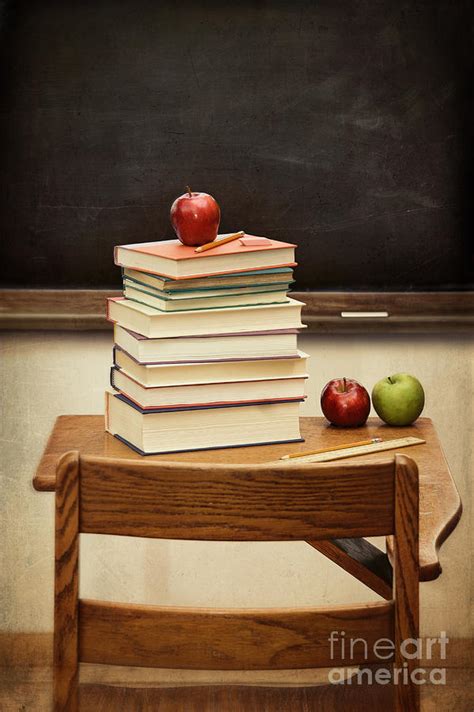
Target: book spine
[[112, 382], [106, 412], [119, 348], [107, 309]]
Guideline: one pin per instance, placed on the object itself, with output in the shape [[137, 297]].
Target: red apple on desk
[[345, 402], [195, 218]]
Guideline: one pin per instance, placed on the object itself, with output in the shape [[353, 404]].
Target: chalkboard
[[345, 126]]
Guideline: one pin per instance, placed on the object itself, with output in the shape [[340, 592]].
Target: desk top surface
[[440, 506]]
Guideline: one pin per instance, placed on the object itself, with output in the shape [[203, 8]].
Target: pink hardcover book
[[174, 260]]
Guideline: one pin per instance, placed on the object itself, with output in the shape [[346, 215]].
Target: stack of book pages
[[205, 352]]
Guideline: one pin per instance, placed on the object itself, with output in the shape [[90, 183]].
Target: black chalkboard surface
[[345, 126]]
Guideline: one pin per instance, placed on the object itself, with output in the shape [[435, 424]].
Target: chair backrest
[[236, 502], [228, 502]]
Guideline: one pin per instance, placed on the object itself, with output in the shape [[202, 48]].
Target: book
[[188, 294], [194, 349], [149, 322], [164, 430], [281, 276], [169, 258], [159, 375], [179, 396], [159, 300]]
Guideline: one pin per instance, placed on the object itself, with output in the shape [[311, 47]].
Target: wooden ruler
[[395, 444]]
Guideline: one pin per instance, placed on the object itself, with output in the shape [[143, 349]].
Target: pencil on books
[[331, 449], [222, 241]]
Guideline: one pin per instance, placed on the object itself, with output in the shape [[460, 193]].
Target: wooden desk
[[440, 506]]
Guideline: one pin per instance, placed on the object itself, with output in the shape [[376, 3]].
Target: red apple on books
[[195, 218], [345, 402]]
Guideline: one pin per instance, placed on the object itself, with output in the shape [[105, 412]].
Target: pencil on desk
[[331, 449], [222, 241]]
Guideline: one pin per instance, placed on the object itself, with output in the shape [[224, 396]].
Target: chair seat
[[237, 698]]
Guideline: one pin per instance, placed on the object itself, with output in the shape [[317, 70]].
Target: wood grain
[[27, 651], [406, 569], [65, 309], [362, 560], [66, 589], [440, 506], [409, 312], [29, 694], [409, 306], [227, 639], [231, 502], [325, 698]]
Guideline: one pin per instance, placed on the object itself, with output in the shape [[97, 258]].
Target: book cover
[[175, 250], [198, 387], [164, 303], [193, 449], [170, 258], [270, 332], [199, 449], [157, 324], [200, 406], [116, 348]]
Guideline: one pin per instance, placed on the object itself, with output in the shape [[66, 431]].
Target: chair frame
[[234, 503]]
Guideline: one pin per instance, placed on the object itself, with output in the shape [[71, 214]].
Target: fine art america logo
[[347, 650]]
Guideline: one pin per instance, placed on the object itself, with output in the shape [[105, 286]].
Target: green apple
[[398, 399]]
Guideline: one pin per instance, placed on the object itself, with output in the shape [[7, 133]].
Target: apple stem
[[390, 380], [189, 191], [344, 385]]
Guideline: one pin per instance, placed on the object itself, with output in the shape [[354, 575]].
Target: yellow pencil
[[331, 449], [222, 241]]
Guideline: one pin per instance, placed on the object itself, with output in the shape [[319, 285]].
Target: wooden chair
[[240, 503]]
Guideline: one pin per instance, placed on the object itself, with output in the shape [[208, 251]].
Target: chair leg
[[407, 694], [406, 580], [66, 590], [66, 689]]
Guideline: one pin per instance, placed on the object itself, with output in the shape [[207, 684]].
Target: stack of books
[[205, 352]]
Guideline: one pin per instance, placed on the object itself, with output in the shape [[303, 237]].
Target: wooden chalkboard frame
[[408, 312]]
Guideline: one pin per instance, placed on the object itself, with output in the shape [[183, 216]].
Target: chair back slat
[[230, 639], [252, 502]]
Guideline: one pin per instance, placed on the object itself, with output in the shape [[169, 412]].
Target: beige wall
[[46, 374]]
